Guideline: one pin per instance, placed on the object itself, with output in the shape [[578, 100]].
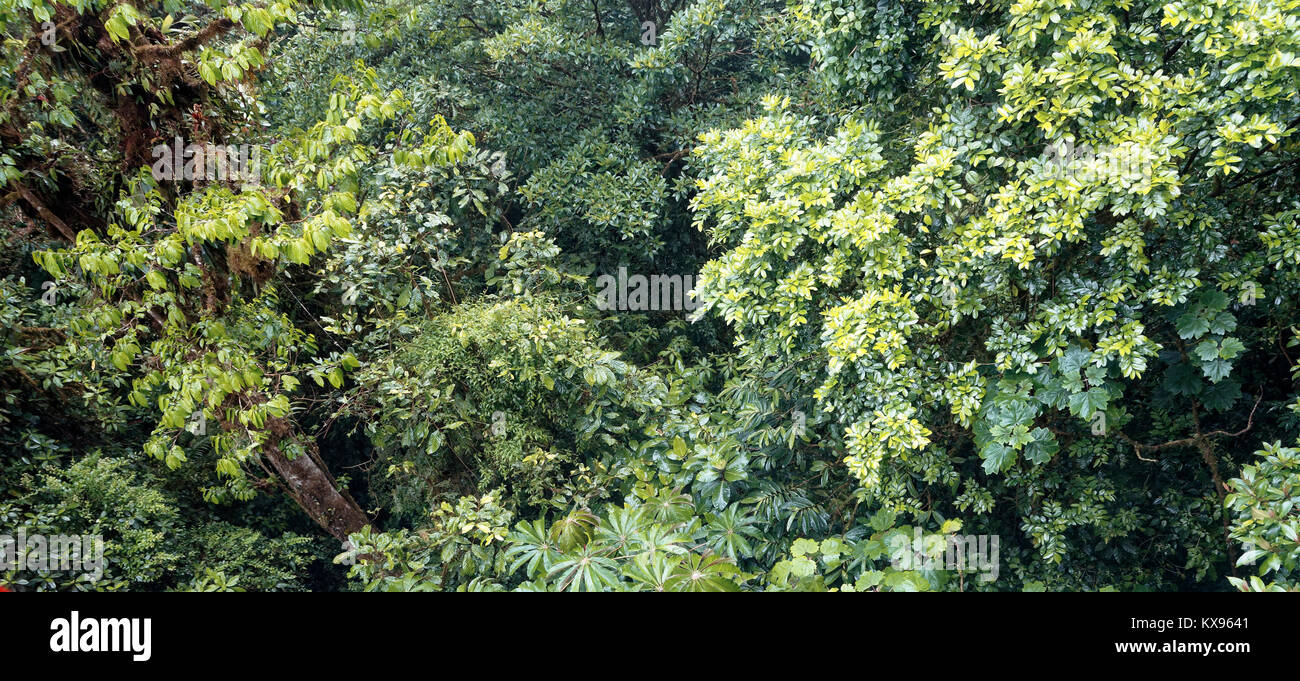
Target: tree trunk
[[312, 486]]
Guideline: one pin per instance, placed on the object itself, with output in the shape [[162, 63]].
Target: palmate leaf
[[619, 529], [1085, 404], [702, 572], [671, 505], [1206, 350], [997, 457], [729, 532], [651, 571], [1192, 325], [1182, 379], [663, 539], [531, 546], [587, 570], [1043, 447], [1231, 347], [1221, 395], [573, 530], [1073, 361], [1216, 370]]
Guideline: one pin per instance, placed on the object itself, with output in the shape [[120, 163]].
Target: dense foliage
[[308, 295]]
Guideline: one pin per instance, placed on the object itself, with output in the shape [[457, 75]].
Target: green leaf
[[997, 457], [1216, 370], [803, 547], [1192, 326], [1043, 447]]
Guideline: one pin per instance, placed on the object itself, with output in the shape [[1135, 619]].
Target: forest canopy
[[667, 295]]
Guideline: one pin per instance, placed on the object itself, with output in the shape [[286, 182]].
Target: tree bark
[[312, 486]]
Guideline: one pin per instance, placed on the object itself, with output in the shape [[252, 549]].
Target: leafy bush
[[1265, 502]]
